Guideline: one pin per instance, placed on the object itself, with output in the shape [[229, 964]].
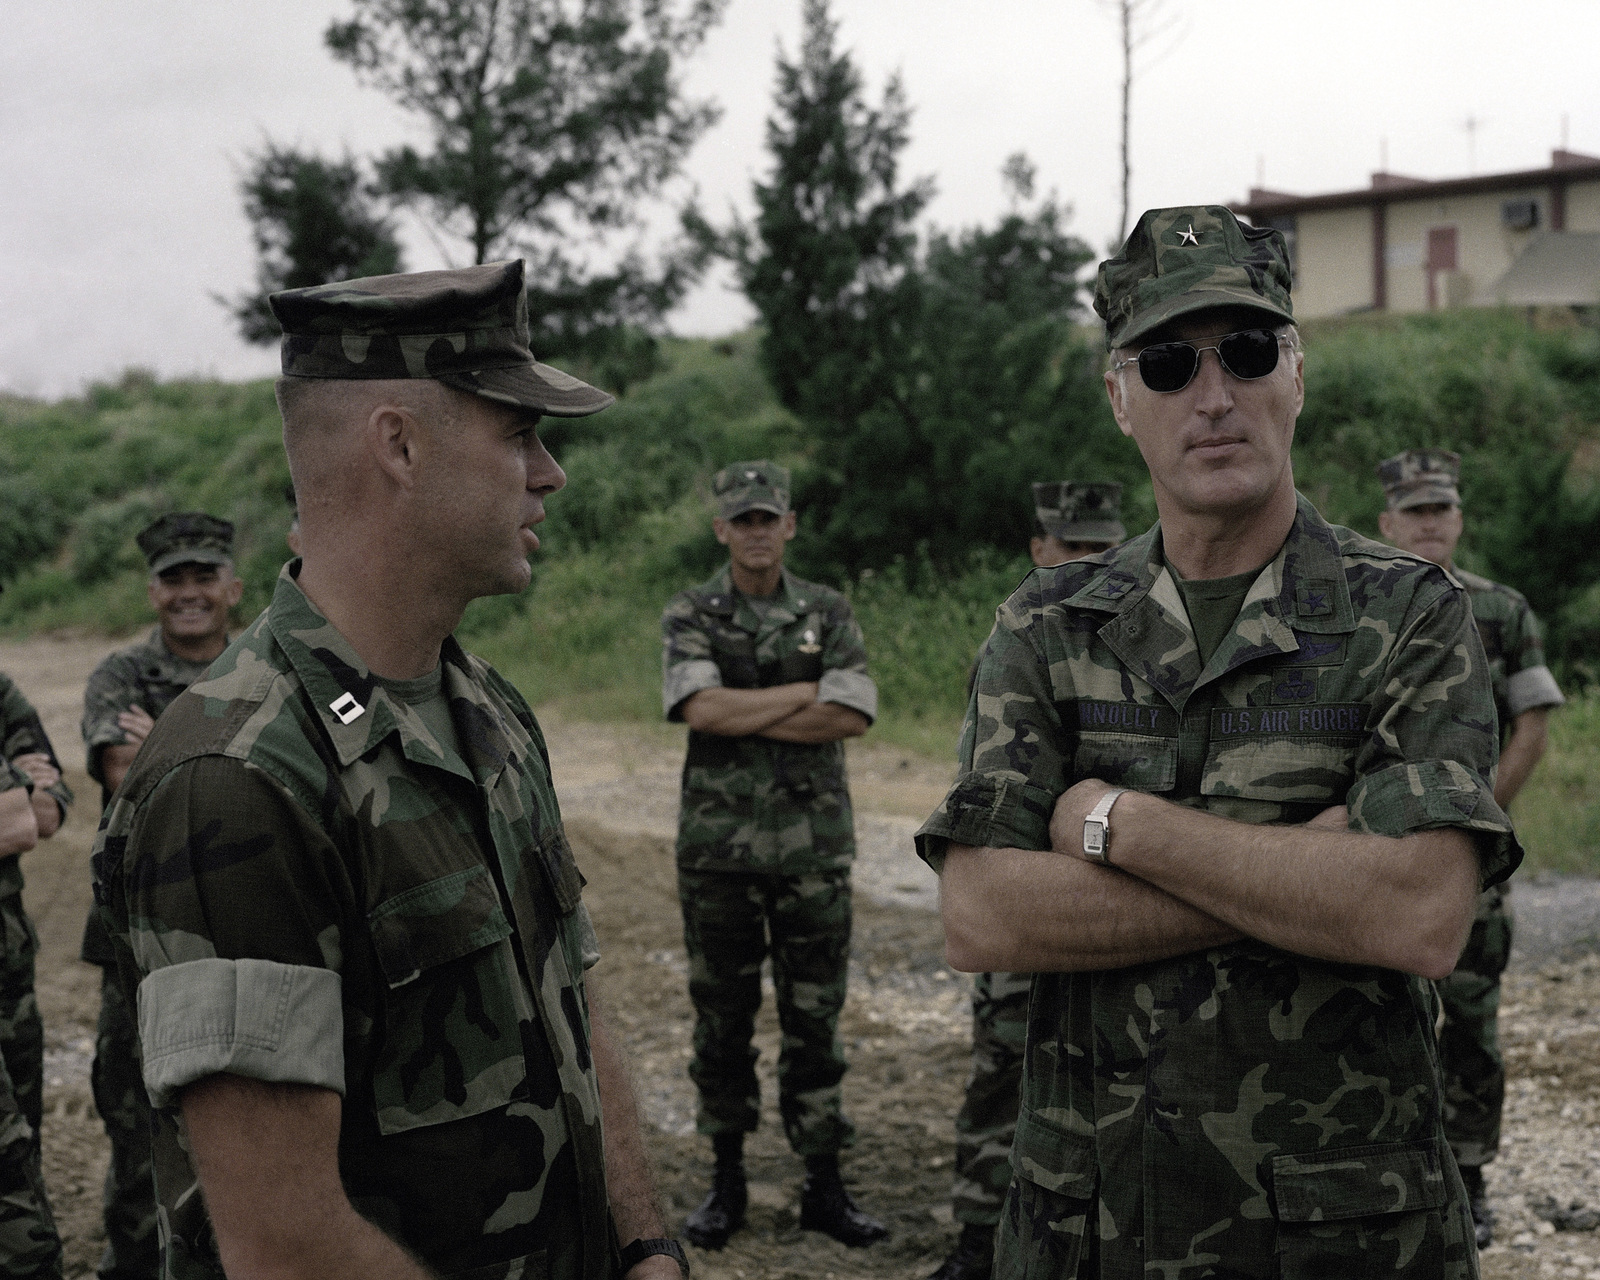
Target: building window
[[1519, 215]]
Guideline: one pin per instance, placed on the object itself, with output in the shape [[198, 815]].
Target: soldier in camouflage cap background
[[1227, 792], [770, 673], [33, 804], [192, 589], [340, 852], [1424, 517], [1072, 520]]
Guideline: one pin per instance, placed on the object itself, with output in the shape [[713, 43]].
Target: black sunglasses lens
[[1168, 366], [1250, 354]]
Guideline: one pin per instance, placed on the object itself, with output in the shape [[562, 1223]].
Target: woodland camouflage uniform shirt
[[1241, 1111], [147, 675], [754, 803], [306, 886]]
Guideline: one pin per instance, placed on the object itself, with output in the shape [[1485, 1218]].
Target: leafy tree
[[313, 221], [933, 382], [551, 122]]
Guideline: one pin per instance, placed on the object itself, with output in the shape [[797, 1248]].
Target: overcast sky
[[123, 129]]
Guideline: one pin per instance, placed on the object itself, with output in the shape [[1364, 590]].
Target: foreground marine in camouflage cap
[[1072, 520], [770, 673], [33, 804], [1423, 516], [1227, 792], [340, 852], [192, 588]]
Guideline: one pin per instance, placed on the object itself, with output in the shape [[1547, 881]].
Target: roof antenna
[[1383, 155], [1472, 124]]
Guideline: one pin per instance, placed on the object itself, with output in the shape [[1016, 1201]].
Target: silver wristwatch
[[1097, 828]]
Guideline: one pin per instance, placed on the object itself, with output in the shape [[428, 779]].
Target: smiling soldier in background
[[33, 804], [192, 589], [336, 874], [1423, 517], [770, 673], [1071, 521], [1226, 791]]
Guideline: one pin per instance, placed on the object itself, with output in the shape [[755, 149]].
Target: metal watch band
[[1097, 828], [635, 1253]]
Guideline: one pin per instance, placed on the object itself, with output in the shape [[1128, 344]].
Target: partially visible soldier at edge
[[1424, 517], [1226, 792], [192, 589], [33, 804], [342, 852], [1071, 521], [770, 673]]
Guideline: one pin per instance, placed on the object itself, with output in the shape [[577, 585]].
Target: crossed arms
[[785, 712], [1184, 880]]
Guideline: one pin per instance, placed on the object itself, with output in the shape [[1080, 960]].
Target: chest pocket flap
[[436, 922], [450, 1046], [1124, 743]]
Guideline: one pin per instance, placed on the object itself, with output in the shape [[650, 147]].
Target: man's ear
[[1386, 524], [719, 526], [1114, 391], [235, 591], [391, 437], [789, 523]]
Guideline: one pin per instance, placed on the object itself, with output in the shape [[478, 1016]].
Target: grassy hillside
[[79, 477]]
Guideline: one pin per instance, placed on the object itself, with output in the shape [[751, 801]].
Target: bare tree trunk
[[1127, 92]]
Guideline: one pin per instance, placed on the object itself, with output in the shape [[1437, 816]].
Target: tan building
[[1406, 244]]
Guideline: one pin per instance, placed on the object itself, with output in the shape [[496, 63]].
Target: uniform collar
[[358, 713], [1301, 591], [784, 606]]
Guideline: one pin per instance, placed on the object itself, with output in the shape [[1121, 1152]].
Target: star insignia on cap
[[1188, 237]]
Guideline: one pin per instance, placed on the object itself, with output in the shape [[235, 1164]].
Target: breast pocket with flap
[[451, 1045]]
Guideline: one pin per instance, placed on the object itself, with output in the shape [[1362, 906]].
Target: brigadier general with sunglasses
[[1227, 792]]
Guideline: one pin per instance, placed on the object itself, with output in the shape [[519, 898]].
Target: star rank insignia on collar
[[1188, 237]]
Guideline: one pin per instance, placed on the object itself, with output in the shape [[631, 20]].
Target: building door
[[1441, 258]]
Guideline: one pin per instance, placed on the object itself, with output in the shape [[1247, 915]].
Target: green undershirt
[[1213, 605], [425, 695]]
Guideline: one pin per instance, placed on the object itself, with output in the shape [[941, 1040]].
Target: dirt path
[[905, 1024]]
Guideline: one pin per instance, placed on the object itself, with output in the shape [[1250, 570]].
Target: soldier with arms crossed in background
[[1071, 521], [192, 588], [1226, 792], [1423, 517], [770, 673], [340, 853], [33, 805]]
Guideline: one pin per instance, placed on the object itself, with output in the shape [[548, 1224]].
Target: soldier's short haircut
[[314, 409]]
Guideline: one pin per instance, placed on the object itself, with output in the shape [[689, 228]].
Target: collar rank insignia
[[1189, 237], [1115, 586], [1313, 599], [346, 708]]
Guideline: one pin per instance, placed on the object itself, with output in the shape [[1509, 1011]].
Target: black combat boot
[[721, 1213], [826, 1206], [1478, 1202], [973, 1256]]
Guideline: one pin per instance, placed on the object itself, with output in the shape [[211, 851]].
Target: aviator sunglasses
[[1170, 366]]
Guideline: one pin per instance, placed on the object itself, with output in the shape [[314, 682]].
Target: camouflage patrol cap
[[1418, 477], [1177, 261], [1080, 512], [467, 329], [751, 486], [186, 537]]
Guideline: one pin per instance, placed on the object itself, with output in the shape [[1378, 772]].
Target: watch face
[[1094, 838]]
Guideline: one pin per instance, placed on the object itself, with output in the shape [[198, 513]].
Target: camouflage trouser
[[133, 1246], [731, 922], [987, 1120], [29, 1244], [1469, 1045]]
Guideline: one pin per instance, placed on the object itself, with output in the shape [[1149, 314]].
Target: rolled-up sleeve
[[686, 662], [1530, 689], [1430, 760], [853, 689], [1012, 767], [239, 915], [279, 1023], [107, 696]]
